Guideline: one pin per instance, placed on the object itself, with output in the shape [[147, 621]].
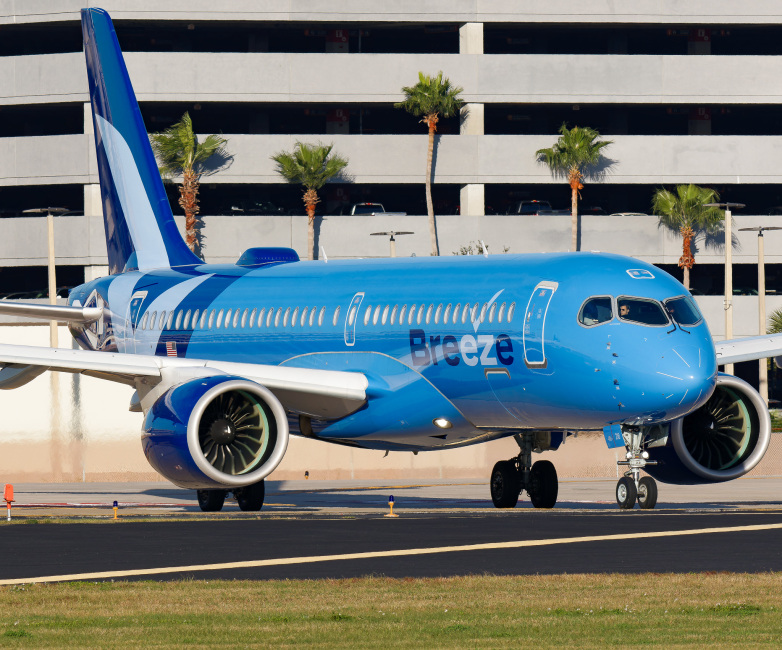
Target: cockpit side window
[[683, 310], [596, 311], [641, 310]]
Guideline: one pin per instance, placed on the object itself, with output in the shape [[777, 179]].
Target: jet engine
[[722, 440], [215, 432]]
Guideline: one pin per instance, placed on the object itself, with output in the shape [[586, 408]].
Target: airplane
[[227, 361]]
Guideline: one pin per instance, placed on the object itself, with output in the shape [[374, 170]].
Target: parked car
[[529, 207], [371, 209]]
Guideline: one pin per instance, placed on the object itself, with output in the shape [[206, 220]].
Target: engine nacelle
[[216, 431], [723, 440]]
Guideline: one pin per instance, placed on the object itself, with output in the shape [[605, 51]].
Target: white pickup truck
[[373, 209]]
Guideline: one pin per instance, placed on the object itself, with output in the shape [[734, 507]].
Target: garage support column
[[471, 38], [471, 196], [471, 199]]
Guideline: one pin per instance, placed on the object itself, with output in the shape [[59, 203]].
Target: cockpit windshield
[[684, 311], [595, 311], [642, 310]]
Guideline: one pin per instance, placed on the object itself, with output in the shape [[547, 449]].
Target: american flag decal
[[171, 349]]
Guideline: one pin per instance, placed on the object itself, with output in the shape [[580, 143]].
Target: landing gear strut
[[510, 477], [632, 487]]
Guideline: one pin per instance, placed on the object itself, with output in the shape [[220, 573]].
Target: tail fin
[[140, 229]]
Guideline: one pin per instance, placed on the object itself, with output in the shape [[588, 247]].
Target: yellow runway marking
[[102, 575]]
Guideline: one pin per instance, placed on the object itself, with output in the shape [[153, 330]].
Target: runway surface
[[336, 529]]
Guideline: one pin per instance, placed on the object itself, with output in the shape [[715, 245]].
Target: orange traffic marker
[[8, 497]]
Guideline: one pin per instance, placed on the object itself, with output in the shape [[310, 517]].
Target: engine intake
[[216, 432], [722, 440]]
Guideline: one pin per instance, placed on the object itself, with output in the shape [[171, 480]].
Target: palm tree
[[431, 97], [180, 153], [775, 322], [311, 166], [685, 213], [574, 155]]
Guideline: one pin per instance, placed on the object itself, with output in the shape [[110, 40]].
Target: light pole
[[393, 234], [54, 377], [728, 271], [763, 363], [50, 212]]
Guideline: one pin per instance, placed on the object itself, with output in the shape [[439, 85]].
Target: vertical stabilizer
[[140, 229]]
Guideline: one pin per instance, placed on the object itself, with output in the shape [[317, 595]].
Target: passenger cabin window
[[684, 311], [642, 310], [596, 311]]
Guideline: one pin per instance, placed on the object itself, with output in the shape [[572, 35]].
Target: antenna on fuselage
[[323, 252], [485, 248]]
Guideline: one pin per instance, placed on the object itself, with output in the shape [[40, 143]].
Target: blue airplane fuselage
[[493, 344]]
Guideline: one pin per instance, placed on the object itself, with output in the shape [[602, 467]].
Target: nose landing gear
[[632, 487], [510, 477]]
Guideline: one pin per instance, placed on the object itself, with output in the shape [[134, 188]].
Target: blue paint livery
[[452, 350]]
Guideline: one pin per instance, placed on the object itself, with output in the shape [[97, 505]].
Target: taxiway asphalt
[[319, 529]]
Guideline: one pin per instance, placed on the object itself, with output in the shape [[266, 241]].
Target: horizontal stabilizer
[[51, 312], [748, 349]]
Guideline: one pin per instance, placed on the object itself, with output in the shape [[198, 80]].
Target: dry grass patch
[[378, 612]]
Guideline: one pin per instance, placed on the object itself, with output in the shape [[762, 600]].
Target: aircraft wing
[[320, 393], [51, 312], [748, 349]]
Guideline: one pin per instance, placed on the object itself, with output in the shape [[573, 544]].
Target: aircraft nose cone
[[687, 375]]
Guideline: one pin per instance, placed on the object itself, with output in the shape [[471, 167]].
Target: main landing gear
[[510, 477], [632, 486], [249, 498]]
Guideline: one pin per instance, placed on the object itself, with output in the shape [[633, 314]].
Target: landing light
[[442, 423]]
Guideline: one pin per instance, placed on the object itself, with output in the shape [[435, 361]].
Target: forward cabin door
[[535, 324]]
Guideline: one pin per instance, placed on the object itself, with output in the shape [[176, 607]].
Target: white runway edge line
[[104, 575]]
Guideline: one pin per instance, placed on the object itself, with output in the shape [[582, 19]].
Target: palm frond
[[686, 208], [309, 165], [775, 322], [432, 96], [576, 149], [177, 149]]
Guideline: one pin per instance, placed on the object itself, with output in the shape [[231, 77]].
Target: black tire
[[647, 493], [250, 497], [544, 486], [211, 500], [626, 493], [505, 484]]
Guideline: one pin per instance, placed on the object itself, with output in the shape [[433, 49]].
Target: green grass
[[377, 612]]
